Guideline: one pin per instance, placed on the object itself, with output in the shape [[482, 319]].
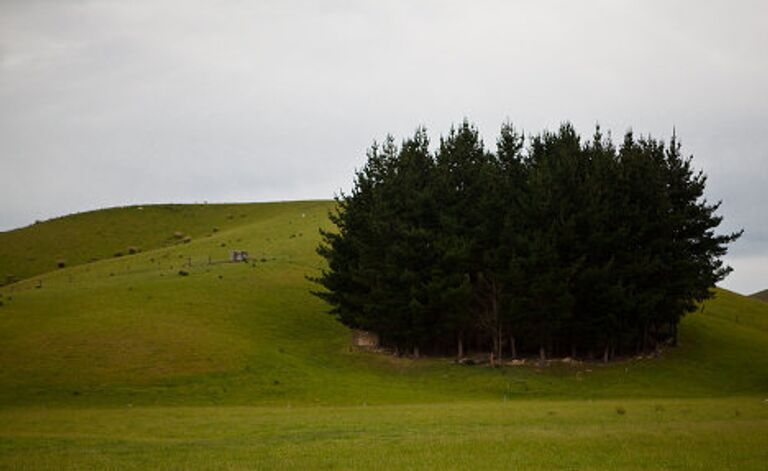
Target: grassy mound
[[133, 330]]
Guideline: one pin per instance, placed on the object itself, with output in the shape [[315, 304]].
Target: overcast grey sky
[[110, 103]]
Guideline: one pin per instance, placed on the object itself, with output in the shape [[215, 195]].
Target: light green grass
[[124, 363], [99, 235], [532, 434]]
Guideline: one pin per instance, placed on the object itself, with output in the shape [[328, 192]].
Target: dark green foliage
[[561, 247]]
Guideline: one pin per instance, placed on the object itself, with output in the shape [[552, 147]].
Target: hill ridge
[[760, 295]]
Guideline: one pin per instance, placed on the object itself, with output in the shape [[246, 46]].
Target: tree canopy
[[553, 245]]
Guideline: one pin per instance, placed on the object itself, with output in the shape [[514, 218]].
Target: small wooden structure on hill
[[239, 256]]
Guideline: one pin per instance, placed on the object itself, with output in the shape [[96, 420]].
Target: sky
[[111, 103]]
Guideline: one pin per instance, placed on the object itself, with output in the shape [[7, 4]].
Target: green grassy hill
[[99, 235], [761, 295], [124, 363], [132, 330]]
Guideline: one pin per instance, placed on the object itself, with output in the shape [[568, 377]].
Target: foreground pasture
[[729, 433]]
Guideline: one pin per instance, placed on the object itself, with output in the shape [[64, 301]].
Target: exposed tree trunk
[[606, 351], [542, 355], [645, 338], [460, 346], [497, 340], [512, 346], [490, 358], [500, 343]]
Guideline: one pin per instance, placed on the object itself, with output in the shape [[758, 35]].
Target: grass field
[[530, 434], [124, 363]]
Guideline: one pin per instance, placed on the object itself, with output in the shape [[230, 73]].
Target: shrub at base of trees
[[551, 246]]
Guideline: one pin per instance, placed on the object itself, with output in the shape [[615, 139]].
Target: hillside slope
[[133, 330], [103, 234], [760, 295]]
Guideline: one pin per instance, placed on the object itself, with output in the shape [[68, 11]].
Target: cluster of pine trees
[[549, 246]]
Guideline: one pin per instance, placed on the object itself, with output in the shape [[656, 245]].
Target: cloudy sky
[[109, 103]]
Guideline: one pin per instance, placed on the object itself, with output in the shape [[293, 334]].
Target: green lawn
[[124, 363]]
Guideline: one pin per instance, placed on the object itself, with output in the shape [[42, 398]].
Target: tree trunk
[[460, 346], [495, 319], [416, 352], [645, 338], [500, 342], [606, 351], [512, 346], [542, 355]]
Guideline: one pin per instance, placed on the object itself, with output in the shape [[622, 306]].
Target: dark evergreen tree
[[408, 224], [462, 175], [559, 248], [503, 258], [350, 281]]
